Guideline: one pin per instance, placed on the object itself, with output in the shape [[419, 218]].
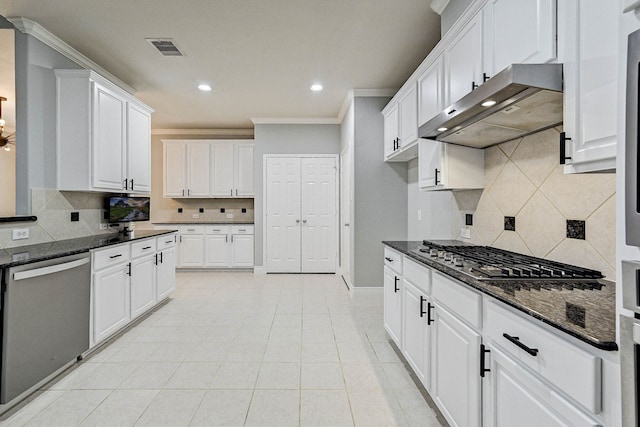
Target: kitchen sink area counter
[[589, 303], [12, 257]]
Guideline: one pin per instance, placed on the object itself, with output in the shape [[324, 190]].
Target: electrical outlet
[[103, 226], [465, 233], [229, 216], [419, 215], [195, 216], [20, 234]]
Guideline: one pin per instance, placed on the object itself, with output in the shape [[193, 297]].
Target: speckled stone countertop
[[203, 221], [43, 251], [544, 300]]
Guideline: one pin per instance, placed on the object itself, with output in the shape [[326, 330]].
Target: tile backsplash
[[523, 179]]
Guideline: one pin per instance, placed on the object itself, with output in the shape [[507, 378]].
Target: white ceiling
[[260, 56]]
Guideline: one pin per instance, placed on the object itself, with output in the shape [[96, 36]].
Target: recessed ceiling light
[[441, 129], [316, 87], [488, 103], [204, 87]]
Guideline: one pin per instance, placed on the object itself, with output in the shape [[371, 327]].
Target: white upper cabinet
[[443, 166], [518, 32], [431, 92], [103, 136], [205, 168], [401, 126], [588, 47], [391, 136], [463, 61]]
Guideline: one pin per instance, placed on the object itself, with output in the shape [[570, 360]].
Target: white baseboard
[[259, 269], [358, 291]]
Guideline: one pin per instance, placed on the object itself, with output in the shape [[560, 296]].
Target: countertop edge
[[602, 345]]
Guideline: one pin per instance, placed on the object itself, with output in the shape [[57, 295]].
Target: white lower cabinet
[[127, 280], [482, 362], [217, 247], [242, 250], [191, 247]]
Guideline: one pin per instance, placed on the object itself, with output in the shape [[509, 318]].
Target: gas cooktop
[[487, 263]]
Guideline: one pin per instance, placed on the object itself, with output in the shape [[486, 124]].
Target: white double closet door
[[301, 214]]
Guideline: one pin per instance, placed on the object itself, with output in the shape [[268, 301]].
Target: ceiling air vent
[[166, 47]]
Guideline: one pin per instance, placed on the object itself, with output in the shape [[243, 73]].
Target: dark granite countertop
[[11, 257], [203, 222], [544, 300]]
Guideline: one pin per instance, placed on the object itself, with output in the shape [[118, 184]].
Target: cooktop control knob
[[457, 261], [433, 253], [448, 257]]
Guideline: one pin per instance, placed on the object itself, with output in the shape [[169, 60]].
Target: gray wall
[[286, 139], [380, 194], [451, 13], [35, 117]]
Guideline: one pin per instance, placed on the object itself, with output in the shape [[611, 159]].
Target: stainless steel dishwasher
[[45, 320]]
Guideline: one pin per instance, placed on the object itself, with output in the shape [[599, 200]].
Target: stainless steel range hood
[[528, 99]]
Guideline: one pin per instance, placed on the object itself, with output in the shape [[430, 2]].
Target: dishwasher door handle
[[37, 272]]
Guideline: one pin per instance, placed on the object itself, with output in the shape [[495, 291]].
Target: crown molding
[[438, 6], [295, 121], [205, 132], [32, 28], [353, 93]]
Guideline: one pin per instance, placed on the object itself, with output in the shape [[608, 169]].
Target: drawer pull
[[191, 229], [388, 259], [216, 230], [146, 247], [242, 230], [516, 341], [483, 352], [168, 241], [115, 256], [395, 282]]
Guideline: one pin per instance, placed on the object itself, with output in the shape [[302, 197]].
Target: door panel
[[319, 215], [283, 215]]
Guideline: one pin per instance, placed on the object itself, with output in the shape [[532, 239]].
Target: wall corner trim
[[438, 6], [32, 28]]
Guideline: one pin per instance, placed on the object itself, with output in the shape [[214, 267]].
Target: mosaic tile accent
[[575, 229], [510, 223]]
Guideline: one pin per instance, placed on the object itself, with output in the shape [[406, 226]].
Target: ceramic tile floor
[[234, 349]]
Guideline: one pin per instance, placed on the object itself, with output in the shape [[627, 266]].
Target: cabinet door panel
[[430, 92], [222, 174], [456, 387], [108, 139], [192, 250], [175, 175], [244, 171], [409, 116], [519, 31], [393, 305], [217, 250], [143, 285], [110, 301], [463, 61], [390, 131], [415, 332], [198, 181], [166, 274], [138, 149], [242, 250], [429, 160]]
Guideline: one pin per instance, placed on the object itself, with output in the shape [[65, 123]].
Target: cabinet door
[[138, 149], [222, 174], [241, 250], [198, 181], [518, 31], [393, 305], [108, 147], [456, 387], [243, 171], [463, 61], [514, 397], [430, 92], [166, 273], [217, 250], [588, 47], [143, 292], [175, 174], [390, 131], [110, 301], [429, 161], [416, 332], [192, 250], [408, 117]]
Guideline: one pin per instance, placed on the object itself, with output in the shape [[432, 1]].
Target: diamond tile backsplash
[[523, 179]]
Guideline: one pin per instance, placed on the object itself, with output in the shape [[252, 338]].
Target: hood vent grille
[[166, 47]]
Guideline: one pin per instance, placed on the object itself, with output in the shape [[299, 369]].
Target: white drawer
[[571, 369], [192, 229], [242, 229], [217, 229], [417, 274], [393, 260], [143, 247], [458, 298], [103, 258], [166, 241]]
